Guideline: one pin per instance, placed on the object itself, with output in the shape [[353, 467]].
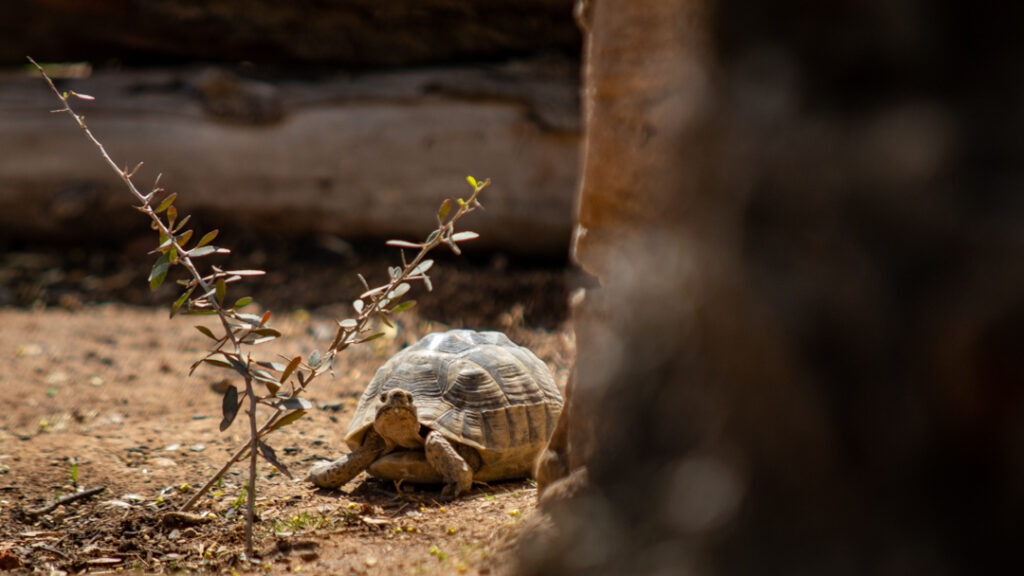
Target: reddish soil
[[96, 394]]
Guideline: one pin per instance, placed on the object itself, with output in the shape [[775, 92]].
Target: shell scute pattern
[[475, 388]]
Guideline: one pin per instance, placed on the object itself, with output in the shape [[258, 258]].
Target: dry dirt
[[96, 395]]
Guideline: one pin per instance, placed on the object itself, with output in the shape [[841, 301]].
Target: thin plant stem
[[254, 440], [379, 302]]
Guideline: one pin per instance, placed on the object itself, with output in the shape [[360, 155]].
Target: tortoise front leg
[[458, 476], [328, 474]]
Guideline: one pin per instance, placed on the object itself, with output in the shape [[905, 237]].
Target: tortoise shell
[[478, 389]]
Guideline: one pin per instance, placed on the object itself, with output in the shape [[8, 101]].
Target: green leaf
[[464, 236], [242, 302], [200, 312], [206, 331], [207, 238], [181, 301], [272, 386], [172, 216], [263, 375], [314, 359], [250, 319], [422, 267], [200, 251], [444, 210], [290, 369], [165, 244], [399, 291], [372, 337], [295, 403], [268, 453], [255, 339], [404, 244], [217, 363], [237, 364], [288, 419], [229, 408], [167, 202], [275, 366], [184, 237], [373, 292], [222, 289], [472, 182], [403, 306], [159, 272], [182, 223]]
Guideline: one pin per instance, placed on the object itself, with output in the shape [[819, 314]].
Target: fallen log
[[363, 156]]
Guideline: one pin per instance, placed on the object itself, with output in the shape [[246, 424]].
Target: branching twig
[[379, 299], [205, 294], [173, 251]]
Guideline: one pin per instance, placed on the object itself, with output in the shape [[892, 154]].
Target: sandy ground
[[96, 394]]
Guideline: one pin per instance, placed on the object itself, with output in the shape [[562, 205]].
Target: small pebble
[[56, 377], [26, 350]]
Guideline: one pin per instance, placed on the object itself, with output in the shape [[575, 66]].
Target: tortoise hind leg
[[328, 474], [458, 475]]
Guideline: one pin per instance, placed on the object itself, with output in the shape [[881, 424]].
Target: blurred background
[[807, 353]]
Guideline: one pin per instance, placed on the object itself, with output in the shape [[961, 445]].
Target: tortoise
[[454, 408]]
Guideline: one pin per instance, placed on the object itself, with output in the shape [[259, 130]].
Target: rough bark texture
[[359, 33], [362, 156], [805, 356]]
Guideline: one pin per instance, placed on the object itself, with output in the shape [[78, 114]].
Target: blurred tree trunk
[[806, 353]]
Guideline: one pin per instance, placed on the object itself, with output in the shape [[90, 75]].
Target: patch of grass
[[304, 522]]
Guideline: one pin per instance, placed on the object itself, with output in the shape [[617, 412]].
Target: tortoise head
[[397, 420]]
